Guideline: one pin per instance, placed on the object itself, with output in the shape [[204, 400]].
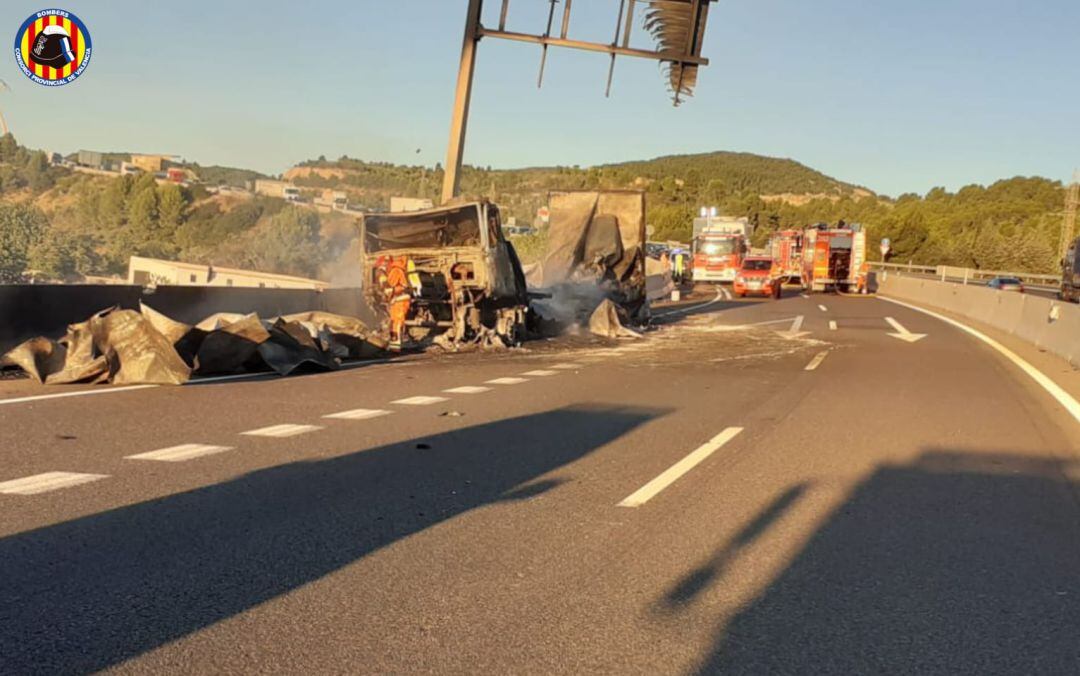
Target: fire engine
[[719, 246], [834, 258]]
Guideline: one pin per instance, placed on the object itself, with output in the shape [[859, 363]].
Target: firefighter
[[399, 297]]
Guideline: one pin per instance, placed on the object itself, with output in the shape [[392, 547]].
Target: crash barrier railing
[[29, 310], [957, 275], [1051, 325]]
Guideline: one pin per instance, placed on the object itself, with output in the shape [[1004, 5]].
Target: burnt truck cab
[[465, 280]]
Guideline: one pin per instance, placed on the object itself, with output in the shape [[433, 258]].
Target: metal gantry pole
[[459, 119]]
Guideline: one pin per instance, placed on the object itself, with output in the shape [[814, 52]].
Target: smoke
[[345, 270]]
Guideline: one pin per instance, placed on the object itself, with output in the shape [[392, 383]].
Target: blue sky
[[897, 96]]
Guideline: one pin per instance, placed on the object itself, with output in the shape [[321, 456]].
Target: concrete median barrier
[[1048, 324]]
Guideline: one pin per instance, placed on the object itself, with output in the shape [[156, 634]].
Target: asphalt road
[[728, 494]]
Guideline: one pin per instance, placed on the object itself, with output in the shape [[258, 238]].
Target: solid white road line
[[281, 431], [468, 389], [672, 474], [180, 453], [719, 297], [816, 361], [49, 481], [822, 308], [540, 374], [358, 414], [80, 393], [419, 401], [832, 325], [507, 381], [1066, 400]]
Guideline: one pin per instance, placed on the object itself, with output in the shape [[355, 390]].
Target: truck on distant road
[[719, 247], [834, 258]]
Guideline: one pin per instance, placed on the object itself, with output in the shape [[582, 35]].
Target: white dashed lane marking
[[358, 414], [507, 381], [822, 308], [281, 431], [180, 453], [832, 325], [419, 401], [468, 389], [566, 367], [49, 481], [673, 473], [540, 374], [816, 361]]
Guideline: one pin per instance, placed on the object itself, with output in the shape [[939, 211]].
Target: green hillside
[[64, 225]]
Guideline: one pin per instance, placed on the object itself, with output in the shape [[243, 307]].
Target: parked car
[[1006, 284], [755, 277]]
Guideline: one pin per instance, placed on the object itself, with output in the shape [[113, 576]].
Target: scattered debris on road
[[128, 347]]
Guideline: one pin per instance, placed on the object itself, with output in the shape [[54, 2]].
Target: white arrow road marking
[[795, 331], [902, 333], [1053, 389], [672, 474], [816, 361], [358, 414], [281, 431], [180, 453], [49, 481]]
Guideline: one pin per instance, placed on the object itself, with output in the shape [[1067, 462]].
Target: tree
[[21, 227], [63, 255], [38, 176], [171, 206], [8, 148], [290, 243]]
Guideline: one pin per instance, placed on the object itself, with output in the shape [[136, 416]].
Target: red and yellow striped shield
[[53, 47]]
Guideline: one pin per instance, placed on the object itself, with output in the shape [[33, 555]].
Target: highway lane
[[901, 506]]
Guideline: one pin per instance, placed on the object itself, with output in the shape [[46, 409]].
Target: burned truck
[[595, 252], [445, 276]]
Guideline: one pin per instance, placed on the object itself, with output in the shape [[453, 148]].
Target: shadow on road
[[956, 563], [86, 594], [697, 580]]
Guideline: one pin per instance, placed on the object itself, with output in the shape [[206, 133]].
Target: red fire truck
[[834, 258], [719, 246], [785, 248]]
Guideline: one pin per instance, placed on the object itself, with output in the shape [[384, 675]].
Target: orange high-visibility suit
[[399, 297]]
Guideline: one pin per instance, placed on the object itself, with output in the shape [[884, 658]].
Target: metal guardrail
[[948, 273]]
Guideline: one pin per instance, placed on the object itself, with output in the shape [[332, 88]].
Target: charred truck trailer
[[596, 245], [444, 275]]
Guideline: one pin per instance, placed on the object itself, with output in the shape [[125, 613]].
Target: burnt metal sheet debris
[[124, 346]]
